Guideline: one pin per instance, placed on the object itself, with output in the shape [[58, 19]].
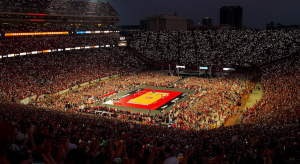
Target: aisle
[[248, 100]]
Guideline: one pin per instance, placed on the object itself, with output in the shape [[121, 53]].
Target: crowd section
[[214, 101], [29, 27], [62, 7], [19, 45], [281, 102], [53, 72], [217, 47], [68, 128], [79, 99], [269, 132], [34, 134]]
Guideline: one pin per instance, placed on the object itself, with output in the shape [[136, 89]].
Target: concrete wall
[[27, 100], [94, 81], [75, 87], [105, 78], [84, 84], [64, 91]]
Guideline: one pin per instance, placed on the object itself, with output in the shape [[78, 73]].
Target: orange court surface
[[148, 98]]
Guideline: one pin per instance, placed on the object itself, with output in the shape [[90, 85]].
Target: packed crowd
[[42, 131], [34, 134], [281, 102], [31, 75], [62, 7], [19, 45], [80, 98], [214, 101], [218, 47]]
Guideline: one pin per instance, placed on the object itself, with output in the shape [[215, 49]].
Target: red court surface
[[147, 100]]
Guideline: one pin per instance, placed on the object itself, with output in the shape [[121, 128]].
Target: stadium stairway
[[176, 82], [248, 101]]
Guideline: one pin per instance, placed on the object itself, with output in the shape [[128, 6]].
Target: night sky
[[256, 12]]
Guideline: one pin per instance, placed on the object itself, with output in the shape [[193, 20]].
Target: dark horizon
[[256, 13]]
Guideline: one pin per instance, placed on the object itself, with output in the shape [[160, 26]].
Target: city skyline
[[256, 13]]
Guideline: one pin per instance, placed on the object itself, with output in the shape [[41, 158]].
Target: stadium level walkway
[[248, 100], [255, 96]]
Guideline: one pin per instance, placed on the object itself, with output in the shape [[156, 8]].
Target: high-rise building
[[270, 26], [164, 22], [190, 24], [232, 16], [143, 25], [207, 22]]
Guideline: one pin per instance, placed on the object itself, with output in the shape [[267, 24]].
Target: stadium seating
[[17, 45], [31, 75], [62, 7], [269, 131], [280, 104], [65, 128], [219, 47]]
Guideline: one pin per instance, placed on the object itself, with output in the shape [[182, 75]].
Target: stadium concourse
[[79, 98]]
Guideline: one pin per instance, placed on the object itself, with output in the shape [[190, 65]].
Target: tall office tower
[[231, 15], [207, 22]]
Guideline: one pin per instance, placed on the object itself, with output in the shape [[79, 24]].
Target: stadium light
[[37, 33]]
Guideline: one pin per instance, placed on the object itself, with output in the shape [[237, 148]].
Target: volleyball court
[[148, 99]]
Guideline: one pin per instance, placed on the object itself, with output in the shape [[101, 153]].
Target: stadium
[[74, 90]]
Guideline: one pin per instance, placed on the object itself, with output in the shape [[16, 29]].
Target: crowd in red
[[53, 72], [269, 134], [56, 136], [34, 134], [95, 93], [214, 101], [280, 103]]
